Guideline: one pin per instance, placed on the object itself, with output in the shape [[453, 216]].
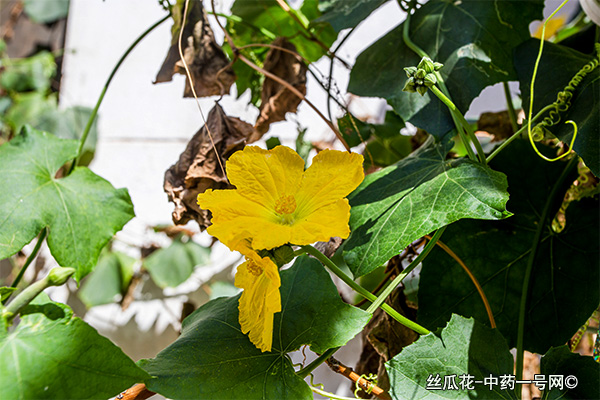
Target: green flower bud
[[422, 90], [427, 65], [410, 71], [59, 276], [437, 66], [420, 74], [430, 80], [409, 86]]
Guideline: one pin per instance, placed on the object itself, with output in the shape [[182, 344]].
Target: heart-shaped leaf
[[82, 211], [213, 359], [53, 355], [421, 193], [498, 252], [437, 367]]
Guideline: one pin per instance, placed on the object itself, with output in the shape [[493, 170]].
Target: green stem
[[459, 120], [463, 122], [86, 131], [529, 267], [511, 108], [516, 134], [330, 395], [33, 254], [394, 284], [56, 277], [364, 292], [304, 372]]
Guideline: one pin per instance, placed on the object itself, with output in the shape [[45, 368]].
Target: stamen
[[285, 205], [254, 268]]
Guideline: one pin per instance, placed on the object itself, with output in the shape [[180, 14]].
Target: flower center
[[285, 205], [254, 268]]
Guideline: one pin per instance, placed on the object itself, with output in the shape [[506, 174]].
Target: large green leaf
[[473, 39], [82, 211], [53, 355], [464, 347], [109, 280], [563, 290], [342, 14], [557, 67], [399, 204], [173, 265], [213, 359], [560, 361]]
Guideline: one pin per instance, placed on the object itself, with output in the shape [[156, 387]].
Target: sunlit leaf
[[82, 211], [54, 355], [421, 193], [464, 347], [213, 359]]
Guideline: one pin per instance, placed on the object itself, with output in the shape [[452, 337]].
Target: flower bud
[[427, 65], [59, 275]]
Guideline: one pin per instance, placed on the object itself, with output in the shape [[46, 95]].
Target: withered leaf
[[276, 100], [211, 73], [198, 168]]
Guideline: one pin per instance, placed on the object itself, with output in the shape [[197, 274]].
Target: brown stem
[[136, 392], [241, 57], [296, 92], [365, 385], [456, 258]]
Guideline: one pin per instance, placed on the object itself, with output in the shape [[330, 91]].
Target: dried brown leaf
[[276, 100], [210, 69], [198, 168]]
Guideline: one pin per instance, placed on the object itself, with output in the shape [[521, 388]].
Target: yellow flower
[[259, 277], [276, 202]]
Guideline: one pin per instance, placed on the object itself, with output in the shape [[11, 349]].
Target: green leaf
[[497, 254], [82, 210], [28, 74], [44, 11], [464, 347], [52, 354], [222, 289], [473, 39], [212, 350], [342, 14], [173, 265], [273, 142], [399, 204], [557, 67], [70, 124], [560, 361], [27, 108], [109, 280], [264, 20], [5, 292]]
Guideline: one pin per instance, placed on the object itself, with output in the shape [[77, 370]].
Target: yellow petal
[[265, 176], [260, 300], [328, 221], [331, 176], [232, 213]]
